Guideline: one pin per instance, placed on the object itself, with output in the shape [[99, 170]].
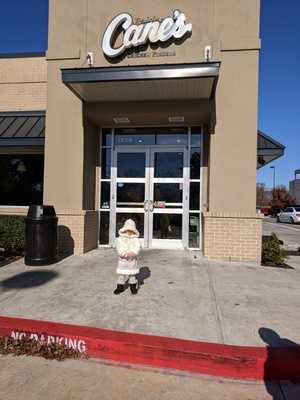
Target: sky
[[279, 85], [24, 26]]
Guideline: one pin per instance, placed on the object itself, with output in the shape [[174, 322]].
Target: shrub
[[12, 235], [272, 253]]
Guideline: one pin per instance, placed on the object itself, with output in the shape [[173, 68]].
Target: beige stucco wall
[[23, 84], [231, 27]]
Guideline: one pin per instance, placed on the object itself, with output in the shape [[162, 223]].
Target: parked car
[[265, 211], [274, 211], [289, 214]]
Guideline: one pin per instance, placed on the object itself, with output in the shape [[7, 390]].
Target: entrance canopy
[[195, 81]]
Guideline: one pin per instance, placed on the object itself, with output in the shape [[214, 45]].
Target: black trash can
[[41, 236]]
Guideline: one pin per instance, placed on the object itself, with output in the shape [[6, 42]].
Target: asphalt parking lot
[[288, 233]]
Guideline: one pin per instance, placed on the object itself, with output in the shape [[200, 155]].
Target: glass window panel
[[105, 163], [194, 196], [171, 139], [131, 165], [168, 165], [194, 231], [138, 218], [135, 139], [130, 193], [167, 226], [168, 192], [171, 130], [106, 137], [196, 136], [195, 163], [104, 228], [21, 179], [105, 194]]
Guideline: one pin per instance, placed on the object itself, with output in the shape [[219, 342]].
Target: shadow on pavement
[[144, 273], [28, 279], [272, 339]]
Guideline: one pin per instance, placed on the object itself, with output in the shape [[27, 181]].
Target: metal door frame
[[149, 181], [183, 210]]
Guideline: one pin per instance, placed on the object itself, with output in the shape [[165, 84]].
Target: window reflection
[[194, 196], [196, 136], [135, 139], [106, 137], [104, 228], [171, 139], [131, 165], [21, 179], [105, 194], [168, 165], [167, 226], [194, 230], [130, 193], [105, 163], [168, 192], [195, 163]]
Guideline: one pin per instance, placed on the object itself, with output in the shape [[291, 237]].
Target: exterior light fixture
[[207, 53], [176, 119], [90, 58], [121, 120]]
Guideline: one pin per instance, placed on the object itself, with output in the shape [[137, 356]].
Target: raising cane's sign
[[169, 28]]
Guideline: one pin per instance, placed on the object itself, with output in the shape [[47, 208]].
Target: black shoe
[[119, 289], [133, 288]]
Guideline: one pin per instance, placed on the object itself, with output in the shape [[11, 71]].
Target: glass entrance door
[[150, 185], [168, 197], [130, 189]]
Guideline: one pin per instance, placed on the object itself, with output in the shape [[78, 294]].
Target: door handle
[[146, 205], [151, 206]]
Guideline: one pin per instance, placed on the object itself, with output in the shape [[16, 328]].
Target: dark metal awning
[[268, 149], [22, 128], [143, 83]]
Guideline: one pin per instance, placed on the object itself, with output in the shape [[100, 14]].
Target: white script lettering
[[138, 35]]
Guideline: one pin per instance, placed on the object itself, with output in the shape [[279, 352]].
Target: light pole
[[273, 168]]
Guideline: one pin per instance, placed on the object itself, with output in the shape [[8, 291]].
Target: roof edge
[[38, 113], [23, 55], [281, 146]]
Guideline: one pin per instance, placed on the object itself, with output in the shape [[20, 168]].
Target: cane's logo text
[[153, 32]]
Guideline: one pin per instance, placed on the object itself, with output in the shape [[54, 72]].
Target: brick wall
[[77, 231], [233, 237], [23, 84]]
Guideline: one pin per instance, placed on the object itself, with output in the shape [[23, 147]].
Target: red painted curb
[[207, 358]]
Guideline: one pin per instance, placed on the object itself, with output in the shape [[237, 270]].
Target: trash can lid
[[37, 211]]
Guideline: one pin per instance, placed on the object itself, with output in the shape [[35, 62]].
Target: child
[[128, 248]]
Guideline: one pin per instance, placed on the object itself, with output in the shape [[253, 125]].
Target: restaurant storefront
[[151, 114]]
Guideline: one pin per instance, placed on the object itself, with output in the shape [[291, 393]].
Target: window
[[105, 188], [195, 188], [21, 179]]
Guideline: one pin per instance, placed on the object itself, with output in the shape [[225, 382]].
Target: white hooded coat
[[127, 244]]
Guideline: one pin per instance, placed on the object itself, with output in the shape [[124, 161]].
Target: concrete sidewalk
[[181, 295], [36, 378]]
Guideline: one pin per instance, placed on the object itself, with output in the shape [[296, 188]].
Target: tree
[[281, 197], [263, 198]]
